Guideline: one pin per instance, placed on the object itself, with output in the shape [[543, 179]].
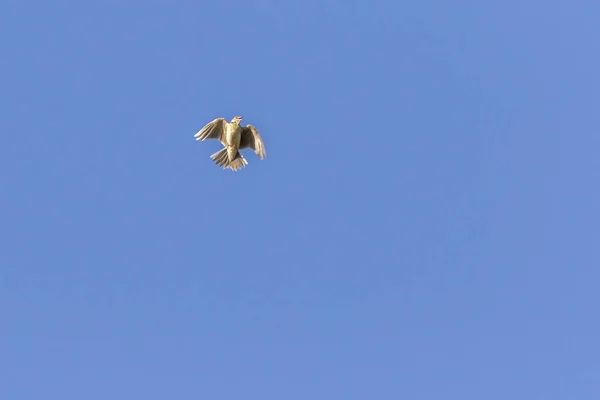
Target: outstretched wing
[[250, 138], [213, 130]]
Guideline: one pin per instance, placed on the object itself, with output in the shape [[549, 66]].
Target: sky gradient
[[425, 225]]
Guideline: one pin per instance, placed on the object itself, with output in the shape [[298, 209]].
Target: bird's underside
[[234, 138]]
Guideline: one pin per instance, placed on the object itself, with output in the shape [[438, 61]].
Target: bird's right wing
[[213, 130]]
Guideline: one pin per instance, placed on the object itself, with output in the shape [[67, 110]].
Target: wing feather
[[251, 139], [213, 130]]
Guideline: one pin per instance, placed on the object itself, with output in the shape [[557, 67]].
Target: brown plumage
[[234, 137]]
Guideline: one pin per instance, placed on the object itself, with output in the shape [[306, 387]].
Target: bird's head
[[237, 119]]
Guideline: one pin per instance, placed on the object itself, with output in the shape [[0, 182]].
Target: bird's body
[[234, 137]]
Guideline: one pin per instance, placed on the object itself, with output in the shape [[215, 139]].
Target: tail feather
[[221, 158], [238, 162]]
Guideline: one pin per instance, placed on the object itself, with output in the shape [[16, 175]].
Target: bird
[[234, 137]]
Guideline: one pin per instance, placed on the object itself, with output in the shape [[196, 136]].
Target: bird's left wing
[[250, 138], [213, 130]]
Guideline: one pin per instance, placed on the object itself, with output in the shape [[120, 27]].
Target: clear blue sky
[[425, 225]]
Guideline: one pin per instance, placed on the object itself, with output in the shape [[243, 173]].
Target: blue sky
[[425, 225]]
